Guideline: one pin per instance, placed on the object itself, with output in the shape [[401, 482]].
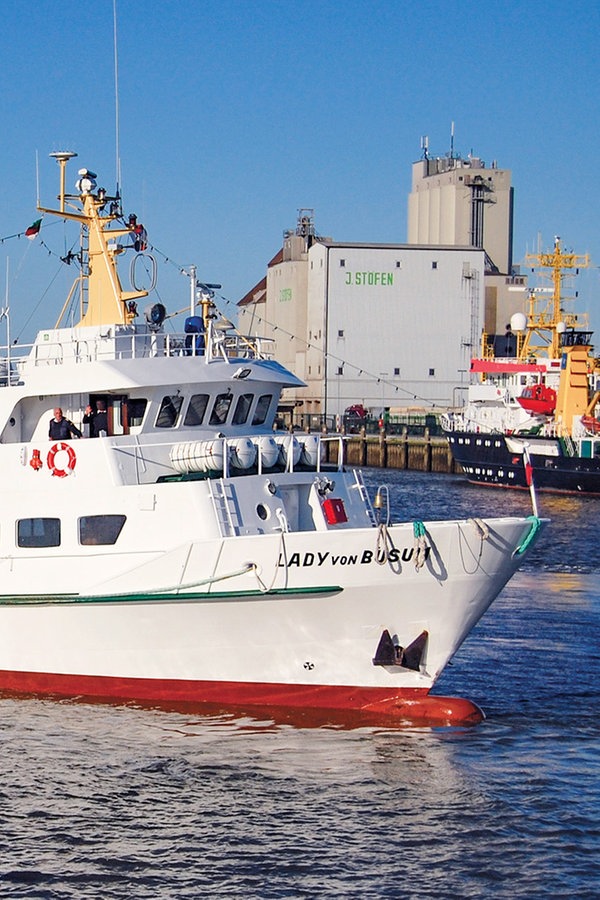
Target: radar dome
[[560, 327], [518, 322]]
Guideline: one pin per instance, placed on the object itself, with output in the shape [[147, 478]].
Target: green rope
[[536, 524], [418, 529]]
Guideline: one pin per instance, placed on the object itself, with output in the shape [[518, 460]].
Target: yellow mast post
[[107, 302]]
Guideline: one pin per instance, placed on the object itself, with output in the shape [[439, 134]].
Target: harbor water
[[100, 801]]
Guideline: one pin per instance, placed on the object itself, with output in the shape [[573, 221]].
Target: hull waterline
[[315, 704]]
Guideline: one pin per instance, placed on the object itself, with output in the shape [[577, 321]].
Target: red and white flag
[[33, 229]]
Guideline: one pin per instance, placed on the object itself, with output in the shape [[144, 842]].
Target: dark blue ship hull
[[487, 459]]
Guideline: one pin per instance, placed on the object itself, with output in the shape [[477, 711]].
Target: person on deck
[[97, 420], [61, 429]]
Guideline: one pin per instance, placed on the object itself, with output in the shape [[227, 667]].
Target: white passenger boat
[[189, 554]]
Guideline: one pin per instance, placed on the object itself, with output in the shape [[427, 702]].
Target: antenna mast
[[117, 147], [5, 314]]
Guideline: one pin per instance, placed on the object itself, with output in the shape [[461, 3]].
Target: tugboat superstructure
[[543, 403]]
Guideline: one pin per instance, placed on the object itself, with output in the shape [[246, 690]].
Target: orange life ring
[[60, 473]]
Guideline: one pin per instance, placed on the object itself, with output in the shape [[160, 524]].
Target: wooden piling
[[413, 452]]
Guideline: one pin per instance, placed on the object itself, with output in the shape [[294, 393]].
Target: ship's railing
[[452, 421], [239, 346], [127, 344]]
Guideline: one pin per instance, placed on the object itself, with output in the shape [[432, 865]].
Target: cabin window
[[38, 533], [221, 409], [262, 409], [169, 411], [136, 407], [100, 529], [242, 409], [197, 409]]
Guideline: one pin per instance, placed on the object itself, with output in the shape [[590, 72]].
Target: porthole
[[262, 511]]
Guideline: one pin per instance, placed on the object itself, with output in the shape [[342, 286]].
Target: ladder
[[225, 507], [364, 495], [568, 445]]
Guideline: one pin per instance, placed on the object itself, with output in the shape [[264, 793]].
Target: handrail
[[124, 344]]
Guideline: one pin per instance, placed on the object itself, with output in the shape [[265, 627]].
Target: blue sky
[[233, 115]]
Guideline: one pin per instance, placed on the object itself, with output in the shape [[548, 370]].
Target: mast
[[547, 320], [102, 298]]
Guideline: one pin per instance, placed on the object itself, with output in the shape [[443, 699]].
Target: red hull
[[307, 704]]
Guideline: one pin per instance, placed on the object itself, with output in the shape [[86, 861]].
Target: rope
[[420, 544], [535, 525], [383, 544], [248, 567], [281, 553], [482, 528], [87, 598]]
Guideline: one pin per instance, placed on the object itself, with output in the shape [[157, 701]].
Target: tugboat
[[183, 552], [542, 405]]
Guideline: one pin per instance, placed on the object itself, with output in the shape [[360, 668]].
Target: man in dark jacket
[[98, 420], [62, 429]]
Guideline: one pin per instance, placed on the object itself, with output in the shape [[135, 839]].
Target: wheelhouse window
[[262, 409], [221, 409], [100, 529], [38, 533], [242, 409], [136, 407], [196, 409], [169, 411]]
